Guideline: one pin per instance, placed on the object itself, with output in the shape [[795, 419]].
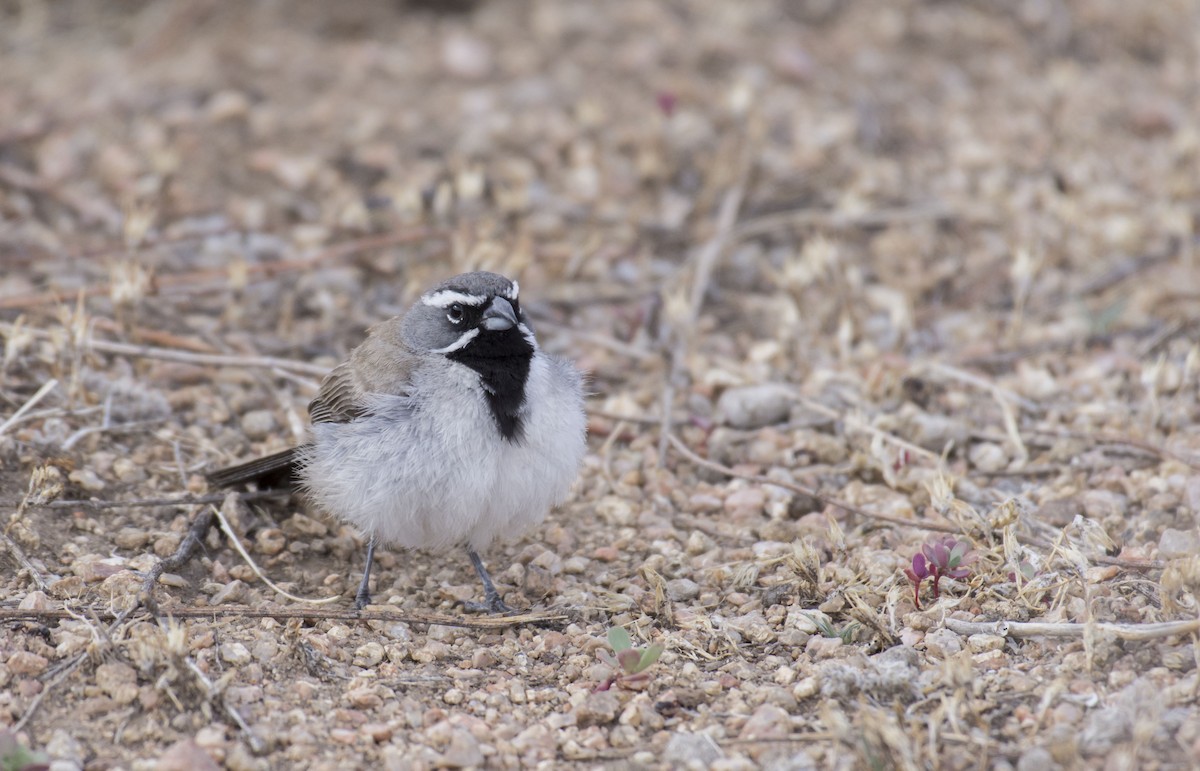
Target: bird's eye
[[455, 313]]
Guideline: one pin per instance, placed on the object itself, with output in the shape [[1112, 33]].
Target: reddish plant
[[938, 559]]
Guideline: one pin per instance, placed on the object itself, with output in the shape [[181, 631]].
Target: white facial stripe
[[513, 291], [527, 333], [447, 297], [460, 343]]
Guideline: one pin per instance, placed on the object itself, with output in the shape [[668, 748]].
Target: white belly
[[439, 474]]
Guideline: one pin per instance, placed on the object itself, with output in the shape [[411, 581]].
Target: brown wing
[[381, 364], [340, 398]]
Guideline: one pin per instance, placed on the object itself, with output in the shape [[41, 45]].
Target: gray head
[[475, 320], [479, 311]]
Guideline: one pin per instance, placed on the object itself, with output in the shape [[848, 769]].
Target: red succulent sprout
[[938, 559]]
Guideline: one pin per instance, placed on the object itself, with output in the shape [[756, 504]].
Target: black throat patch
[[502, 361]]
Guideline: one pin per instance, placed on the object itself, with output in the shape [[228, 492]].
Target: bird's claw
[[491, 604]]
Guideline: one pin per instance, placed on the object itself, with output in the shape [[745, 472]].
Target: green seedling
[[16, 757], [628, 664], [827, 629]]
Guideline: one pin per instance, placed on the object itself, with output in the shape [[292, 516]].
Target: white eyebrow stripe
[[444, 298], [513, 291], [460, 343]]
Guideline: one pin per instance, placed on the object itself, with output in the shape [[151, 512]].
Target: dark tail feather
[[273, 471]]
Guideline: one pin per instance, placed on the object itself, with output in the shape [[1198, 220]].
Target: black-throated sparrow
[[447, 426]]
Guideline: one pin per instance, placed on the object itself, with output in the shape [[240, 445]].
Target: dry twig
[[307, 614], [187, 547], [29, 404], [1136, 632], [197, 281], [187, 500], [691, 455]]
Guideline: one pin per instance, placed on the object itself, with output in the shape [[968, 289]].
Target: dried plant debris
[[890, 311]]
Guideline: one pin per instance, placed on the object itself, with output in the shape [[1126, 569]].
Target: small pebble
[[691, 750], [746, 502], [87, 479], [1175, 544], [26, 663], [751, 407], [463, 752], [682, 590], [235, 653], [368, 655], [118, 680], [258, 424], [600, 708], [232, 592], [767, 722]]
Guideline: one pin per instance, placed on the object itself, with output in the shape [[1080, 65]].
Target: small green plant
[[628, 664], [941, 558], [827, 629], [16, 757]]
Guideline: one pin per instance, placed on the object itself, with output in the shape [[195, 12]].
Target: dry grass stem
[[29, 404], [232, 500]]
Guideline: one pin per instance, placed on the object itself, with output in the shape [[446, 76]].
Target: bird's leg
[[491, 598], [363, 598]]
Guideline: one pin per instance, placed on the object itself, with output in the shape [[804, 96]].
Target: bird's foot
[[491, 604], [362, 600]]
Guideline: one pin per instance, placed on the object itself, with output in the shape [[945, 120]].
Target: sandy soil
[[928, 267]]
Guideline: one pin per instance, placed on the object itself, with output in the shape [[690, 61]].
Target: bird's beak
[[499, 316]]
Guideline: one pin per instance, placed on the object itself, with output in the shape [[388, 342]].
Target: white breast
[[432, 473]]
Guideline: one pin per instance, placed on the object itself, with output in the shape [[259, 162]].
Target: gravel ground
[[849, 277]]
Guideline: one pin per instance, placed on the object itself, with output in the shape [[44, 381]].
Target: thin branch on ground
[[206, 359], [303, 613], [645, 420], [198, 280], [710, 252], [674, 339], [187, 547], [119, 428], [19, 555], [188, 500], [610, 343], [699, 460], [941, 527], [1136, 632], [998, 392], [158, 337], [768, 224], [183, 357], [854, 422], [1141, 444]]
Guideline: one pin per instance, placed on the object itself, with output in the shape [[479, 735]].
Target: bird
[[446, 427]]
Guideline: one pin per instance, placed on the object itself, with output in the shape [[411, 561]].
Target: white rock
[[1178, 543], [87, 479], [684, 748], [750, 407], [258, 424], [682, 590], [235, 653]]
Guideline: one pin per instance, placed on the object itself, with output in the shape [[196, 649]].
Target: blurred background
[[887, 166]]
